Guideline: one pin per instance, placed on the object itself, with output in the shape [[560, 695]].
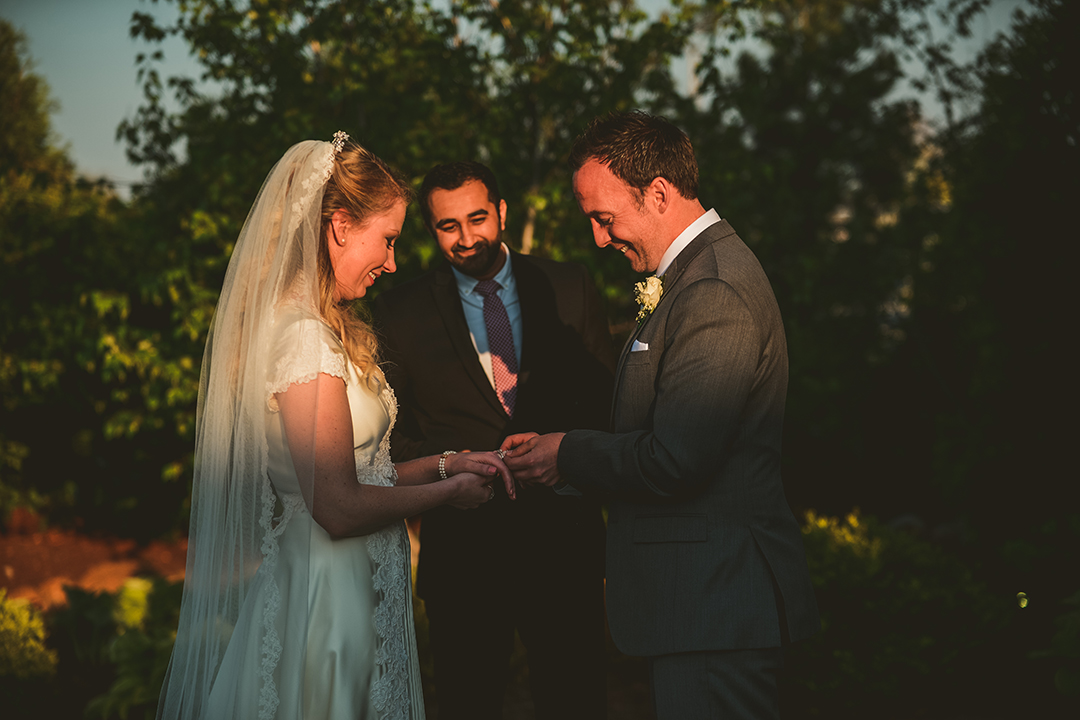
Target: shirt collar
[[692, 230], [466, 283]]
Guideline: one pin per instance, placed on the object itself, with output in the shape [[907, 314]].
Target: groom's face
[[468, 228], [619, 217]]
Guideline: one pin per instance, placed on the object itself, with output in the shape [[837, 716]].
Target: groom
[[706, 573]]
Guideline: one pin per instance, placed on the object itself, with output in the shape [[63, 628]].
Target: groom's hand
[[534, 458], [511, 442]]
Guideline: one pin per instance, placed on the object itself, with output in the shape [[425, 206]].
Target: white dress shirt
[[710, 217]]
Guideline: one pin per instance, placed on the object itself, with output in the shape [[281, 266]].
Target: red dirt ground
[[37, 565]]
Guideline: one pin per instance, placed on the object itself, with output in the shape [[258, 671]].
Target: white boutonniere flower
[[648, 293]]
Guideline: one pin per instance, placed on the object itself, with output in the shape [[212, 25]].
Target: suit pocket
[[670, 528]]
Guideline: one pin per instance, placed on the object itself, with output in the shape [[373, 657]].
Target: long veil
[[236, 516]]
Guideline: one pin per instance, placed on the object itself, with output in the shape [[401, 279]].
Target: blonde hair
[[360, 185]]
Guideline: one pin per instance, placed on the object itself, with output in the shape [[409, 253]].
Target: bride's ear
[[339, 223]]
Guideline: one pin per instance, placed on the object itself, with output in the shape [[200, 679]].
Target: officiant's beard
[[480, 262]]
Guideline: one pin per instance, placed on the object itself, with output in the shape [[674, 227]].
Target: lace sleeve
[[303, 347]]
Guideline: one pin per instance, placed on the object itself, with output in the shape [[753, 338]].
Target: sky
[[83, 50]]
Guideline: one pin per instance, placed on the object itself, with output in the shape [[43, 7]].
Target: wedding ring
[[491, 493], [501, 453]]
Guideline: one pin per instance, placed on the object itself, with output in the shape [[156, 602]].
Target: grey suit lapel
[[711, 234], [716, 231], [448, 302]]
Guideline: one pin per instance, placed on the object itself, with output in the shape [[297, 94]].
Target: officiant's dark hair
[[451, 176], [638, 148]]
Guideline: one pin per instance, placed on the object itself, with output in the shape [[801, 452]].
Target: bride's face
[[359, 254]]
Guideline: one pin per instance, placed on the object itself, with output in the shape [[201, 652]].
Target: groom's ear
[[659, 194]]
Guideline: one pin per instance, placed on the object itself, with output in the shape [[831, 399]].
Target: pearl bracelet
[[442, 463]]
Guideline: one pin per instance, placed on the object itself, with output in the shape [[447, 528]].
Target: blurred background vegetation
[[920, 260]]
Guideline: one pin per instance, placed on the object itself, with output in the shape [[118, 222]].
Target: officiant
[[491, 343]]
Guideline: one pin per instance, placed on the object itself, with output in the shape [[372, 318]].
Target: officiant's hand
[[534, 458], [488, 464]]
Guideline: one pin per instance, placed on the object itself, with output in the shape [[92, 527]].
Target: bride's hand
[[486, 464], [470, 490]]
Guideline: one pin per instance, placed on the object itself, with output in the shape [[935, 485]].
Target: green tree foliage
[[1065, 651], [146, 613], [27, 665], [907, 630], [991, 317], [24, 126], [992, 291], [807, 141], [80, 376], [509, 83], [22, 642]]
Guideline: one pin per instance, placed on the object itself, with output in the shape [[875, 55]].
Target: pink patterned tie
[[504, 366]]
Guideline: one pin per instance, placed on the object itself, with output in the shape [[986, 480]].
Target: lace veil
[[235, 514]]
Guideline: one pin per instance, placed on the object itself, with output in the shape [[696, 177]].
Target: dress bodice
[[304, 346]]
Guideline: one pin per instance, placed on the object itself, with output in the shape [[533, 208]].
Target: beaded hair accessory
[[339, 140]]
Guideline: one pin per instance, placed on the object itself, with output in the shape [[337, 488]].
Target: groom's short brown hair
[[638, 148]]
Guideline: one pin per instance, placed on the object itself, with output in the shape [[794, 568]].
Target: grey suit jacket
[[703, 552]]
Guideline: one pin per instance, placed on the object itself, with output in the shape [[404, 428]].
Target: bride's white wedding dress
[[335, 613]]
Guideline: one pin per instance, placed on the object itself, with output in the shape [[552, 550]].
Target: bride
[[297, 599]]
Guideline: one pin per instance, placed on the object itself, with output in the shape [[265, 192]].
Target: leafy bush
[[23, 653], [146, 613], [1065, 649], [113, 651], [27, 666], [903, 624]]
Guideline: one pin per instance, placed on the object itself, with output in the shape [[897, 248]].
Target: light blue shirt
[[472, 303]]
